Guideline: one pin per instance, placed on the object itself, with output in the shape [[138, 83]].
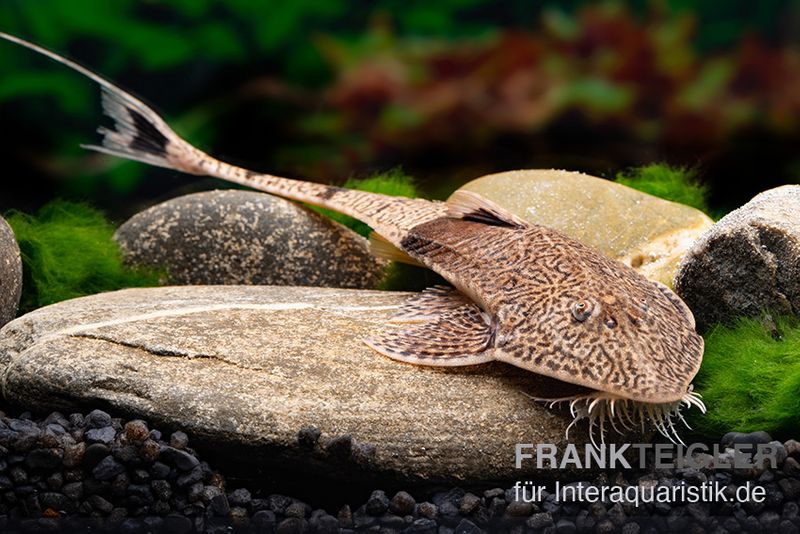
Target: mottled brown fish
[[522, 294]]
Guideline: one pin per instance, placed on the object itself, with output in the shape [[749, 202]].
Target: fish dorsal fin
[[462, 336], [381, 248], [471, 206]]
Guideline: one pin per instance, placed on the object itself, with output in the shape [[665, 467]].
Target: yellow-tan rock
[[648, 233]]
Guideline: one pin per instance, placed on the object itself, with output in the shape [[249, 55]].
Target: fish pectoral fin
[[381, 248], [430, 304], [456, 338], [471, 206]]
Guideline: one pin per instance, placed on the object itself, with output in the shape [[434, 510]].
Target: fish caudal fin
[[139, 132]]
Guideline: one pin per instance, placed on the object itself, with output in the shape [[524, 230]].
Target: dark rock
[[10, 273], [421, 525], [107, 468], [103, 435], [100, 504], [240, 497], [150, 450], [452, 496], [402, 503], [180, 459], [159, 470], [73, 490], [792, 448], [566, 526], [136, 431], [263, 520], [55, 481], [519, 509], [540, 520], [494, 492], [465, 526], [279, 503], [340, 446], [363, 453], [44, 459], [244, 237], [186, 479], [790, 487], [297, 509], [239, 517], [74, 455], [427, 510], [747, 262], [324, 524], [791, 467], [179, 440], [140, 476], [177, 524], [97, 419], [218, 502], [769, 521], [377, 504], [308, 436], [345, 517], [469, 504], [750, 438], [292, 525]]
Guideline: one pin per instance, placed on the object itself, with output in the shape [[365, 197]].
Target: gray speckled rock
[[748, 262], [10, 273], [244, 237], [280, 376]]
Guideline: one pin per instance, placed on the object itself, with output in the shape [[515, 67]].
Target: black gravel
[[95, 473]]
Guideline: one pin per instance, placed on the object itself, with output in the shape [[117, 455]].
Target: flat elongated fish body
[[522, 294], [632, 335]]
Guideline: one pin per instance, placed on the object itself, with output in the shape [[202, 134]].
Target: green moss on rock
[[67, 252], [678, 184], [750, 378]]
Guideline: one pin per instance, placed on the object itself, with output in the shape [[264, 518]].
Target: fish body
[[521, 293]]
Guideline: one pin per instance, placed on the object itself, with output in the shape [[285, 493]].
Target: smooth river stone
[[648, 233], [747, 263], [246, 369], [245, 237], [10, 273]]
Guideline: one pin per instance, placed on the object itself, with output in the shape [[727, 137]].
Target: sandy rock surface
[[244, 237], [643, 231], [280, 376]]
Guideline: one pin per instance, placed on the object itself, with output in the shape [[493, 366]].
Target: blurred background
[[328, 90]]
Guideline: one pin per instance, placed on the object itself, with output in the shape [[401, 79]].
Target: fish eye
[[643, 304], [581, 310]]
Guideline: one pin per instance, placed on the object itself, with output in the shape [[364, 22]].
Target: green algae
[[678, 184], [750, 378], [68, 251]]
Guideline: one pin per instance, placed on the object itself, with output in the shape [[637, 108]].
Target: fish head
[[606, 327]]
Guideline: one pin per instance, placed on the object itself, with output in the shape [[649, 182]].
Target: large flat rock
[[250, 367]]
